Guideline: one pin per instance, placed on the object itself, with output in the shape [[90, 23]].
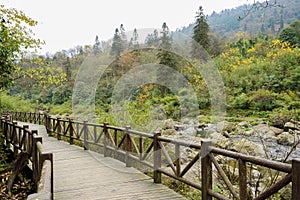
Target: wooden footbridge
[[99, 161]]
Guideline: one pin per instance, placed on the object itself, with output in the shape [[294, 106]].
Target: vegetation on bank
[[260, 74]]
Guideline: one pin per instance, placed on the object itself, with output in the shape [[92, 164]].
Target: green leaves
[[200, 35], [291, 34], [16, 38]]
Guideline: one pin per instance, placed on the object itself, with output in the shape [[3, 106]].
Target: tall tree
[[16, 37], [134, 43], [152, 39], [200, 35], [123, 36], [117, 46], [96, 46], [165, 54]]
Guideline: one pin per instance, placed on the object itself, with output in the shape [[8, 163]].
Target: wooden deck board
[[80, 174]]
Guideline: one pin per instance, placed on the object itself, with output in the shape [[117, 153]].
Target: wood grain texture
[[82, 174]]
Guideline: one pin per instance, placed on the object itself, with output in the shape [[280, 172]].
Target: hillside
[[269, 21]]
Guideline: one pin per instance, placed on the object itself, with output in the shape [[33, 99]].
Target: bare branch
[[256, 5]]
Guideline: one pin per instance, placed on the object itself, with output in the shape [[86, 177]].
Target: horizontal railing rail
[[21, 139], [163, 156]]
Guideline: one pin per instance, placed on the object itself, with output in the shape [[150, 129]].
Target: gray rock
[[285, 138], [290, 125], [261, 128], [211, 128], [243, 125], [169, 132], [179, 127], [277, 131], [219, 139], [190, 131], [247, 147], [169, 124], [225, 126], [249, 132]]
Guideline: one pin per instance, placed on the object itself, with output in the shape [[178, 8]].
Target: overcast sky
[[64, 24]]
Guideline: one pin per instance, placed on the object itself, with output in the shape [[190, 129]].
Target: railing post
[[26, 135], [2, 124], [206, 169], [242, 179], [35, 160], [178, 159], [105, 135], [128, 146], [295, 179], [35, 117], [86, 135], [35, 133], [141, 147], [14, 138], [157, 158], [50, 126], [30, 117], [71, 131], [5, 130], [58, 130]]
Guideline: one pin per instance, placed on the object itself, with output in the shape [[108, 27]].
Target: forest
[[260, 70]]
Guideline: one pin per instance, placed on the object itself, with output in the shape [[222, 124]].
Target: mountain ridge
[[267, 21]]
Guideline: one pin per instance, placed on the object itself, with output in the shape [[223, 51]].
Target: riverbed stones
[[290, 125], [285, 138], [169, 124], [219, 140], [169, 132], [243, 124], [225, 126], [266, 131], [247, 147]]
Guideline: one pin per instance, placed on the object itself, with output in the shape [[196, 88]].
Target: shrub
[[14, 103], [264, 100], [242, 102]]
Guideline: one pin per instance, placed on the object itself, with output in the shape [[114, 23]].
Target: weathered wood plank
[[82, 174]]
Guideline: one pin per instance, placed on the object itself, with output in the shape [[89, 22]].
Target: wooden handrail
[[129, 145], [21, 139]]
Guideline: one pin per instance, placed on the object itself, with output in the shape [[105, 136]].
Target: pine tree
[[134, 43], [200, 36], [96, 46], [152, 39], [165, 56], [123, 36], [117, 46]]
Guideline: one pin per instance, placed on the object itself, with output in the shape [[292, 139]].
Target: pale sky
[[64, 24]]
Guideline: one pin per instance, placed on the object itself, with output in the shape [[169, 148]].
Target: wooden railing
[[163, 156], [21, 139]]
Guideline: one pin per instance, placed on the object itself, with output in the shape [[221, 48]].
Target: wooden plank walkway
[[81, 174]]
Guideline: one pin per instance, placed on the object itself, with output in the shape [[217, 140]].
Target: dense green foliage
[[15, 38], [16, 103], [261, 74], [291, 34]]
